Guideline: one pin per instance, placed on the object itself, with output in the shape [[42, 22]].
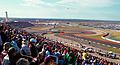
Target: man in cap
[[33, 48]]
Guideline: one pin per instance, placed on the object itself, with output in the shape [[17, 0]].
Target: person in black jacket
[[3, 37]]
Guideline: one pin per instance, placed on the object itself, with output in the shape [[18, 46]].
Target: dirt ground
[[75, 29]]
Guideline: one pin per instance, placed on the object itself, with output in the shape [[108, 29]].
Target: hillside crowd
[[18, 47]]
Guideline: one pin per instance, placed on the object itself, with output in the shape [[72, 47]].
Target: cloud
[[37, 3], [31, 2], [49, 3], [87, 3], [96, 3], [71, 8]]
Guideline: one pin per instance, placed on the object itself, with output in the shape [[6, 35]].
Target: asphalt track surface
[[93, 41]]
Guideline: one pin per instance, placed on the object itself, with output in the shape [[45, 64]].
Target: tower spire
[[6, 19]]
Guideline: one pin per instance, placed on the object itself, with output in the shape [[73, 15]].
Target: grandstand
[[20, 24]]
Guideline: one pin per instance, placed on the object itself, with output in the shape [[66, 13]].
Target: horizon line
[[64, 18]]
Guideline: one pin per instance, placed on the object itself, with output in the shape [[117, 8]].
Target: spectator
[[3, 37], [50, 60], [33, 48], [14, 44], [10, 59], [84, 55], [22, 61], [25, 49], [6, 47]]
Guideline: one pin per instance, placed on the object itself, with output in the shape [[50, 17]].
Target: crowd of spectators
[[18, 47]]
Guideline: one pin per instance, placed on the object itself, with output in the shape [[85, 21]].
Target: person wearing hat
[[33, 48], [33, 40]]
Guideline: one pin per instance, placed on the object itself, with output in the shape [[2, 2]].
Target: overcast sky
[[75, 9]]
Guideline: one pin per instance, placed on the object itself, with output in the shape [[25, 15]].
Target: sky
[[67, 9]]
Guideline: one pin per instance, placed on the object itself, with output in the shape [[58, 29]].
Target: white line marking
[[114, 47], [103, 44], [108, 46]]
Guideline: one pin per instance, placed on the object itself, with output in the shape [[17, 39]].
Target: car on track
[[91, 50], [111, 55]]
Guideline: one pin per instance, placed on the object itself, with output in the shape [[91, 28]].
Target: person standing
[[3, 37]]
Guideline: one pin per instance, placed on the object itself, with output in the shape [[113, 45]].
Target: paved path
[[56, 38]]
